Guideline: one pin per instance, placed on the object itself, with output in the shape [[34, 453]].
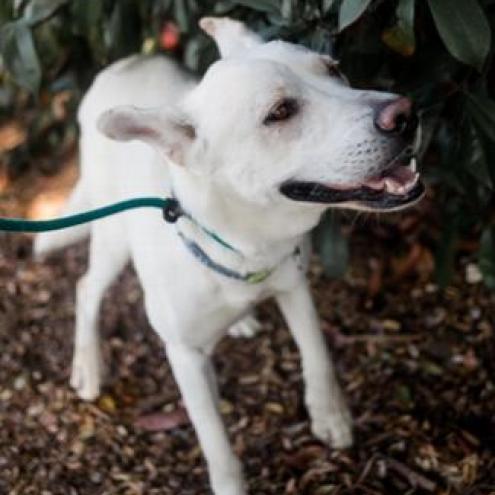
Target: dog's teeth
[[410, 185], [390, 186], [376, 184], [393, 187], [413, 182]]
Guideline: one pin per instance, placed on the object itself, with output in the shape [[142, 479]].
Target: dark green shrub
[[440, 52]]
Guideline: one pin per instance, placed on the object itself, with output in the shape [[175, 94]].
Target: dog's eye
[[283, 110]]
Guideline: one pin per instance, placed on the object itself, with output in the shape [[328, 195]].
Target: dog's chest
[[228, 300]]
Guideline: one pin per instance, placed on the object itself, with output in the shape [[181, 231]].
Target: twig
[[366, 471], [415, 479], [377, 339]]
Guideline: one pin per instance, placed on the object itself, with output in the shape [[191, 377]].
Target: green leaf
[[326, 6], [194, 7], [288, 9], [310, 11], [268, 6], [405, 13], [321, 41], [19, 55], [332, 246], [489, 153], [181, 13], [39, 10], [482, 110], [122, 34], [464, 28], [486, 256], [351, 11], [87, 15], [471, 155], [192, 54], [87, 21], [223, 7], [6, 12], [400, 38]]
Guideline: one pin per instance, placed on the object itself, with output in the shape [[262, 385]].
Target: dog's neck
[[255, 231]]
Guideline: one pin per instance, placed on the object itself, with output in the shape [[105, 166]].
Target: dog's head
[[275, 122]]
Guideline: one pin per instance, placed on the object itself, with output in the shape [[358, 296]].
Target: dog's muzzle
[[395, 188]]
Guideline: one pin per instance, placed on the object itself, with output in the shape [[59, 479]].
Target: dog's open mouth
[[395, 188]]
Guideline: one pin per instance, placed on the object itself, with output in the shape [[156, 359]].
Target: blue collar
[[200, 255], [174, 211]]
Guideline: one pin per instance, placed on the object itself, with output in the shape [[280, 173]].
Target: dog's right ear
[[165, 129], [231, 36]]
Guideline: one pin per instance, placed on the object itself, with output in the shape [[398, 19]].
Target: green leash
[[171, 211], [168, 205]]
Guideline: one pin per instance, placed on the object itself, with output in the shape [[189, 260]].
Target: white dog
[[255, 152]]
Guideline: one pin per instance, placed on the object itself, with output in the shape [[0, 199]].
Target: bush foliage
[[439, 52]]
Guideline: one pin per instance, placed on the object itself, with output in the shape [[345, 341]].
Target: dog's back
[[142, 81]]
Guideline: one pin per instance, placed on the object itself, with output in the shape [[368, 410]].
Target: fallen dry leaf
[[161, 421]]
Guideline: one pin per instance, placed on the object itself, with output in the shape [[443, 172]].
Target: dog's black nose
[[397, 117]]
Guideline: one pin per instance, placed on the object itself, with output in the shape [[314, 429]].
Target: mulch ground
[[417, 364]]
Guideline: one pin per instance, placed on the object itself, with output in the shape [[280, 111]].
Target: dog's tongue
[[399, 180]]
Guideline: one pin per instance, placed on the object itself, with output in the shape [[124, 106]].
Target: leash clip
[[172, 211]]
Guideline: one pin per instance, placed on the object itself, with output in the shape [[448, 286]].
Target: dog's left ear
[[231, 37], [166, 130]]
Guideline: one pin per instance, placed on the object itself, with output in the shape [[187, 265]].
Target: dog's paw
[[248, 327], [86, 373], [334, 429]]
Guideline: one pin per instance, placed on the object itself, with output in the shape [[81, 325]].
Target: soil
[[417, 363]]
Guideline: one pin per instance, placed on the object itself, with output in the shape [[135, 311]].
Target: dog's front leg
[[330, 418], [193, 371]]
